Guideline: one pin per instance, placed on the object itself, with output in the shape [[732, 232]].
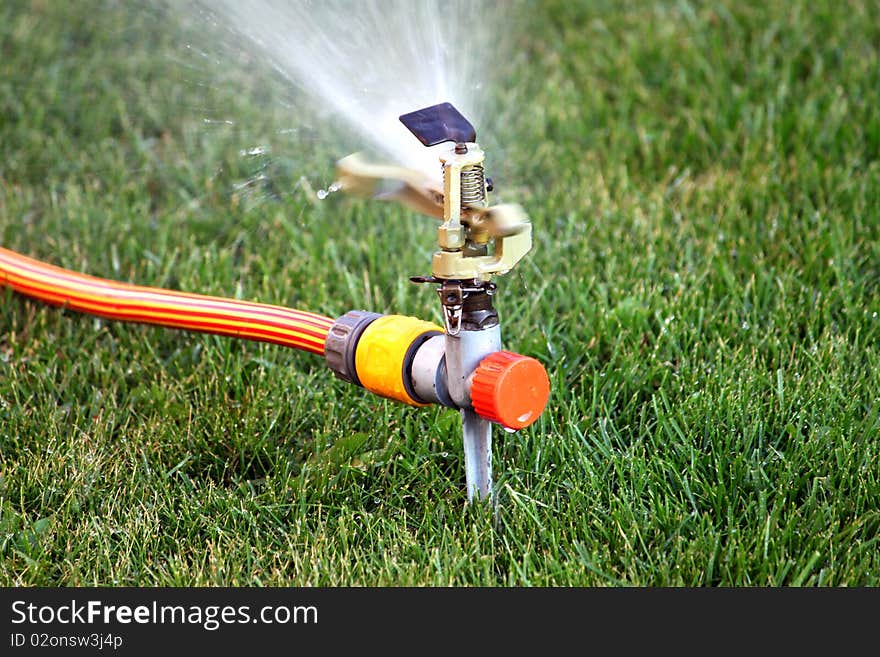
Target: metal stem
[[477, 437], [472, 333], [463, 353]]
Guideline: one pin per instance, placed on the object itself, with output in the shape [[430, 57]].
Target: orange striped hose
[[150, 305]]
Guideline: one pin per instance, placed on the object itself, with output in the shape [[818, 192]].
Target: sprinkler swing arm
[[462, 366], [505, 225]]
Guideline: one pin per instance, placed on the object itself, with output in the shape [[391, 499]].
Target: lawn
[[703, 180]]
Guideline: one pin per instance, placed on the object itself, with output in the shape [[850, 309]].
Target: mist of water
[[366, 62]]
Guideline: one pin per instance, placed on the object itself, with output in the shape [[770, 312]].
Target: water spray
[[460, 365]]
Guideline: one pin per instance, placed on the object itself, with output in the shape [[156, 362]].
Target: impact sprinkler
[[464, 367], [460, 365]]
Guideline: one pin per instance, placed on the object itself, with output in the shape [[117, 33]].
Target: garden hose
[[149, 305]]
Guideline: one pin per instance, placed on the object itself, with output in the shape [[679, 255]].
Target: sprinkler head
[[476, 240]]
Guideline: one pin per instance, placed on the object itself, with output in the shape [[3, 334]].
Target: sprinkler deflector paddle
[[439, 123]]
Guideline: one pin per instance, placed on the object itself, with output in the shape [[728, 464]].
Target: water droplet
[[324, 193], [254, 151]]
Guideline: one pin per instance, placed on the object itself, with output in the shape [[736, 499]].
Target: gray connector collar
[[341, 343]]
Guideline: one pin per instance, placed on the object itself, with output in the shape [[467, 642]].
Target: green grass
[[704, 184]]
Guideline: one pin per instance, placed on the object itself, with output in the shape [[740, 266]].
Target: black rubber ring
[[408, 359]]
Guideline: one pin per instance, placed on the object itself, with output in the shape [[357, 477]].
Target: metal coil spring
[[473, 185]]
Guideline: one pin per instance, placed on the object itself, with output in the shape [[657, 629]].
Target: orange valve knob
[[510, 389]]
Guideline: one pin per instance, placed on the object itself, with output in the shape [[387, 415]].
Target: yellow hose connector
[[385, 351]]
